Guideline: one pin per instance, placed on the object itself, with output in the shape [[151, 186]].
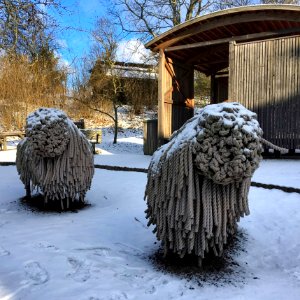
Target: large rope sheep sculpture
[[198, 182], [55, 157]]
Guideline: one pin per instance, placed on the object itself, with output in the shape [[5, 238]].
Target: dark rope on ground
[[143, 170], [7, 163], [274, 186], [117, 168]]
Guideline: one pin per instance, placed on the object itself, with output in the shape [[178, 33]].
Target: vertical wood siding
[[264, 76], [177, 83]]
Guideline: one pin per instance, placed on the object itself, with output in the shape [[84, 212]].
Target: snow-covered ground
[[103, 251]]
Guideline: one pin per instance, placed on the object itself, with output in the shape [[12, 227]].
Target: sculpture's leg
[[81, 197], [62, 204], [28, 191]]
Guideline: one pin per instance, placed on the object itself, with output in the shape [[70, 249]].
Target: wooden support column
[[212, 89], [161, 95], [231, 82]]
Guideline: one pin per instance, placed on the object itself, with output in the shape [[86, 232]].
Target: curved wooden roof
[[204, 41]]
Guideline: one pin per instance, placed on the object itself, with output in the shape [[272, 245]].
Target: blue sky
[[74, 39], [77, 21]]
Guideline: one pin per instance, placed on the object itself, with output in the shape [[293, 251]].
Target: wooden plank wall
[[265, 77], [182, 94], [177, 89]]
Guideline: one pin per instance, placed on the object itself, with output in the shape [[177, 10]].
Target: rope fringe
[[55, 158], [272, 146], [198, 185]]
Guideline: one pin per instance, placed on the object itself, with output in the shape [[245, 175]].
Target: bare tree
[[234, 3], [102, 90], [26, 26], [148, 18], [280, 1], [231, 3]]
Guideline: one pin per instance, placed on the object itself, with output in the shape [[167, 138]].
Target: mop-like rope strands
[[198, 183], [55, 157]]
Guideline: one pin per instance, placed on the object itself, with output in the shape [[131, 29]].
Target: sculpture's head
[[47, 132], [225, 141], [227, 146]]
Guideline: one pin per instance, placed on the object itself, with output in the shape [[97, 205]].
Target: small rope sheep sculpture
[[198, 182], [55, 157]]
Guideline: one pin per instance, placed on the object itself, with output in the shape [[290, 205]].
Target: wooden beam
[[241, 38], [221, 14], [208, 70], [161, 95], [222, 73], [206, 54], [225, 21]]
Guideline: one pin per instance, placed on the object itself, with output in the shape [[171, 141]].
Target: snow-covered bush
[[198, 182], [55, 157]]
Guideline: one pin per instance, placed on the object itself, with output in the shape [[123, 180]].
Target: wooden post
[[161, 94], [231, 83], [4, 143], [212, 89], [150, 136]]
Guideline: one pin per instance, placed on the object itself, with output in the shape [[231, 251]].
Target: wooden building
[[252, 54]]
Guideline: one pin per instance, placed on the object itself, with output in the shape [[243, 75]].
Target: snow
[[284, 172], [102, 252], [43, 116]]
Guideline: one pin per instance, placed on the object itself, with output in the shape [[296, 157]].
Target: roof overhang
[[204, 41]]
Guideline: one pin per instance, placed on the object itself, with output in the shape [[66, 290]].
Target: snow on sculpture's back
[[55, 157], [198, 182]]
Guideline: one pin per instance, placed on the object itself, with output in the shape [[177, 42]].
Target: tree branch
[[91, 107]]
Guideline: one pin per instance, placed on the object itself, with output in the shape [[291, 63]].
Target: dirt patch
[[217, 271], [36, 204]]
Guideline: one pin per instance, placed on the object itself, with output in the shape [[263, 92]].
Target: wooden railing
[[4, 135]]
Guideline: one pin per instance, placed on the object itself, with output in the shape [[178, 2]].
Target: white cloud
[[133, 51]]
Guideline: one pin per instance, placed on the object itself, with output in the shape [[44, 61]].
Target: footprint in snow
[[47, 246], [129, 250], [97, 250], [36, 273], [3, 252], [81, 269], [117, 296], [150, 290]]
